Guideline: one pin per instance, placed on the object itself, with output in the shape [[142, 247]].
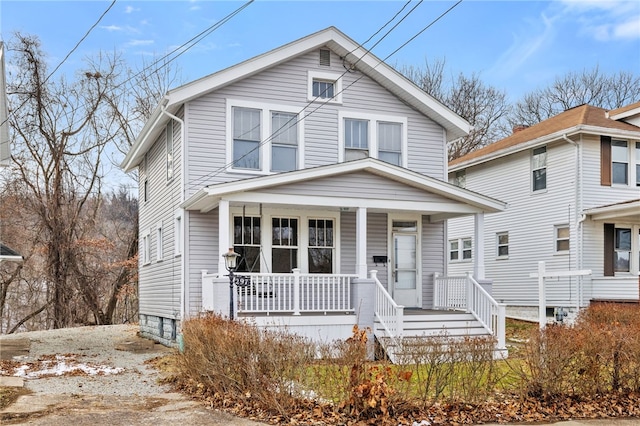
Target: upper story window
[[539, 168], [284, 141], [169, 149], [376, 136], [263, 137], [619, 162], [324, 86]]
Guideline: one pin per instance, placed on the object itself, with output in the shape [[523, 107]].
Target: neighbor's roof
[[7, 253], [332, 38], [579, 119]]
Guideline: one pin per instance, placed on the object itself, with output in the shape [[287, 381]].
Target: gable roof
[[208, 197], [583, 118], [331, 37]]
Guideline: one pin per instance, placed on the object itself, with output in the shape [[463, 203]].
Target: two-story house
[[572, 184], [316, 162]]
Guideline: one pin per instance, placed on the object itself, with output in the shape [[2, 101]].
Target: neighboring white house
[[572, 184], [318, 163]]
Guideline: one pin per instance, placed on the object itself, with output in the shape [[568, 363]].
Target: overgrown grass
[[235, 364]]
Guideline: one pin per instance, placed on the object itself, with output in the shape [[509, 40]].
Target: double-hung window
[[619, 162], [321, 246], [356, 139], [622, 250], [146, 247], [539, 168], [246, 138], [284, 244], [246, 242], [502, 242], [460, 249], [284, 141], [390, 142], [562, 234]]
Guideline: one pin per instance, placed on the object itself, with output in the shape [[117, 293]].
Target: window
[[356, 139], [562, 234], [246, 138], [390, 142], [246, 242], [502, 241], [460, 178], [460, 249], [321, 246], [539, 168], [169, 149], [619, 162], [146, 248], [159, 242], [622, 250], [145, 190], [284, 244], [284, 141], [324, 86], [178, 235]]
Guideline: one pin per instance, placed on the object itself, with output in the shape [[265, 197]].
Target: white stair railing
[[465, 293], [387, 311]]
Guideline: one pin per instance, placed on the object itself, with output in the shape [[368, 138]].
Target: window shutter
[[605, 160], [609, 235]]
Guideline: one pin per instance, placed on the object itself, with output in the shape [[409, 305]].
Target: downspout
[[183, 291], [580, 217]]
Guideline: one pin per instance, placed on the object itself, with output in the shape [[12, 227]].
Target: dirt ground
[[99, 377]]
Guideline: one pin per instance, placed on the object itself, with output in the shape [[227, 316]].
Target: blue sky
[[516, 46]]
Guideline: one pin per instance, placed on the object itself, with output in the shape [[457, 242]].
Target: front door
[[404, 265]]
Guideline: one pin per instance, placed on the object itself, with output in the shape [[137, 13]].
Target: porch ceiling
[[627, 211]]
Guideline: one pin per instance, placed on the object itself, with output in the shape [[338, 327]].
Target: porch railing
[[465, 293], [387, 311], [296, 293]]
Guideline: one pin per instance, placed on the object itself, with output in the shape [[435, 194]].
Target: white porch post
[[361, 242], [223, 234], [478, 247]]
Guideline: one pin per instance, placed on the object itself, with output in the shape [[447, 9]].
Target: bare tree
[[483, 106], [577, 88], [61, 133]]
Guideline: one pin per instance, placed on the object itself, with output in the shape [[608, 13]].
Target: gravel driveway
[[96, 376]]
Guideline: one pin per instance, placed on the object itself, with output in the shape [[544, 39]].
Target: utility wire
[[228, 165]]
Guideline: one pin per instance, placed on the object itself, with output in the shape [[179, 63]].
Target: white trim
[[178, 233], [390, 249], [373, 120], [329, 76], [497, 245], [146, 246], [265, 134], [159, 242]]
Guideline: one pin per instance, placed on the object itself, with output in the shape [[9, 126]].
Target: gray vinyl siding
[[377, 245], [159, 280], [433, 257], [286, 84], [348, 243], [201, 249]]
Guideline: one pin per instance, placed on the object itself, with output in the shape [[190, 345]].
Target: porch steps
[[421, 325]]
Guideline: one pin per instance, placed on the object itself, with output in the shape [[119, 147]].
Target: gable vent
[[325, 57]]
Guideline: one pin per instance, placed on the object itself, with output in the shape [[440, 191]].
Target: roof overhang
[[546, 139], [624, 212], [463, 201], [9, 255], [362, 60]]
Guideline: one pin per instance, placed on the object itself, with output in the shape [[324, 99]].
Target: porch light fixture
[[231, 263]]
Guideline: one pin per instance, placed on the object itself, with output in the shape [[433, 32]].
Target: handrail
[[387, 311]]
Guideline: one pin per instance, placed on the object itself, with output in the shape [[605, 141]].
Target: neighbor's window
[[356, 139], [622, 248], [562, 233], [619, 162], [321, 246], [460, 249], [460, 178], [390, 142], [284, 141], [246, 242], [284, 242], [169, 149], [502, 241], [246, 138], [539, 168]]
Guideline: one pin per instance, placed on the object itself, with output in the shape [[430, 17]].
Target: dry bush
[[238, 361]]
